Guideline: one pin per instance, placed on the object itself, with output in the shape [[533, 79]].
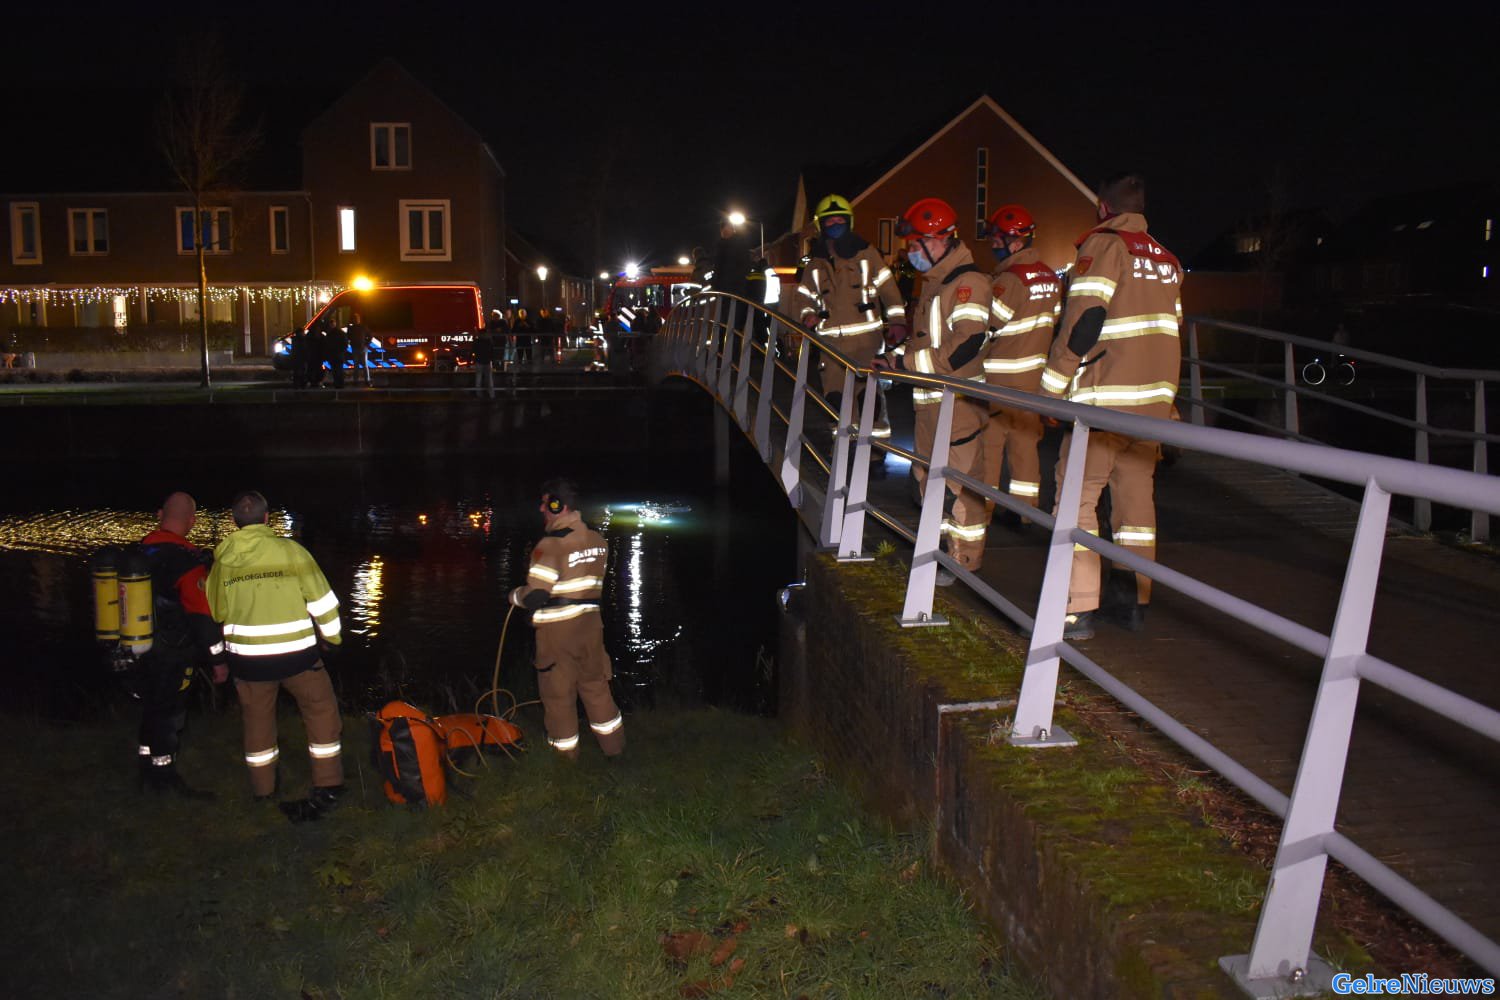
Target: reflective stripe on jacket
[[839, 286], [1027, 299], [567, 564], [950, 314]]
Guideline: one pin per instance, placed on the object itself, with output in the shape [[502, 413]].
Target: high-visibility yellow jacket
[[844, 293], [950, 324], [273, 602], [1131, 362], [1027, 299], [566, 575]]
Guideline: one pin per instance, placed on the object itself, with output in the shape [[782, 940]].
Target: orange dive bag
[[408, 752]]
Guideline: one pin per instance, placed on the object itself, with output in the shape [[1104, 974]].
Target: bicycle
[[1316, 373]]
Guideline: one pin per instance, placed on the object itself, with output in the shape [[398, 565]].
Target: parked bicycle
[[1315, 372]]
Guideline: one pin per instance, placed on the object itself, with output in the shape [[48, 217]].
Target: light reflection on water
[[422, 565]]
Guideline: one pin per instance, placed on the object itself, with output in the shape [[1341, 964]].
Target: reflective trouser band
[[165, 760], [1131, 534], [571, 743], [322, 751], [605, 728], [1020, 489], [262, 757], [1084, 548]]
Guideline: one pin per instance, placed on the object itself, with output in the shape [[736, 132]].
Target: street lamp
[[541, 276], [738, 219], [683, 261]]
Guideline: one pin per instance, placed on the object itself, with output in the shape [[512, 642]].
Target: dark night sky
[[1211, 106]]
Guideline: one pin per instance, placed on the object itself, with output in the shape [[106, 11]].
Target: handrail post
[[791, 455], [838, 469], [1195, 375], [1281, 952], [852, 538], [922, 580], [1033, 721], [763, 404], [701, 340], [1289, 364], [1479, 521], [1422, 513], [726, 357], [716, 345], [742, 388]]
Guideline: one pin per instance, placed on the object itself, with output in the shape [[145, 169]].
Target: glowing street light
[[737, 219], [683, 261], [603, 275]]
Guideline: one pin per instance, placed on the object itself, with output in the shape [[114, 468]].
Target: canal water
[[422, 555]]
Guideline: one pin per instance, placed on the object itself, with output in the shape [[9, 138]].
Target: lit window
[[88, 232], [424, 230], [1484, 272], [390, 146], [887, 231], [346, 230], [215, 231], [1425, 225], [1489, 226], [281, 235], [25, 233], [981, 187]]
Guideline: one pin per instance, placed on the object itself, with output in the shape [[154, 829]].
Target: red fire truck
[[410, 325]]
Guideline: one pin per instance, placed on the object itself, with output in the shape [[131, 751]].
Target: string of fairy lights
[[50, 295]]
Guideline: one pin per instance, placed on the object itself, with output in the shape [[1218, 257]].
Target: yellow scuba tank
[[103, 567], [137, 616]]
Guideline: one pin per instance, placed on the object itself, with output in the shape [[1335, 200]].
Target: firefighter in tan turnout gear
[[1024, 310], [950, 326], [562, 590], [844, 289], [1118, 347]]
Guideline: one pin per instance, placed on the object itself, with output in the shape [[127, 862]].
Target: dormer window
[[390, 146]]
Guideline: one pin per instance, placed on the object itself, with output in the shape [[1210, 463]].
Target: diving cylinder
[[103, 567], [136, 613]]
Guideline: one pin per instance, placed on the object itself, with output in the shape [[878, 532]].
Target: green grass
[[549, 879]]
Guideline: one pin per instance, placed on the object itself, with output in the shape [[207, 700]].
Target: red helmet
[[928, 217], [1009, 220]]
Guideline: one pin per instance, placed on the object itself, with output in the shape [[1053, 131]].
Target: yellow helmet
[[834, 204]]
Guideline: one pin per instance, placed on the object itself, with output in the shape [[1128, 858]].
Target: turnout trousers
[[320, 715], [1013, 435], [860, 348], [572, 666], [965, 520], [165, 674], [1128, 467]]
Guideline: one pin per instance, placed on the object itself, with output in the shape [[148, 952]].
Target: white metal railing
[[735, 364], [1479, 381]]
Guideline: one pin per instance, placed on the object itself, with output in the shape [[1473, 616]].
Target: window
[[25, 233], [390, 146], [281, 240], [215, 232], [887, 234], [981, 188], [424, 230], [88, 232], [346, 229]]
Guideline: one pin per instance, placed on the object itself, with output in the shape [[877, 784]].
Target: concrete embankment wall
[[1098, 878], [625, 421]]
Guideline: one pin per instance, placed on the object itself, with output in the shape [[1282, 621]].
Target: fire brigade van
[[414, 326]]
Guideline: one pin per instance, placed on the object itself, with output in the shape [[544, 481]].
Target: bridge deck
[[1420, 794]]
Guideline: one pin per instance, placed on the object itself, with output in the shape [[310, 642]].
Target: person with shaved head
[[185, 638]]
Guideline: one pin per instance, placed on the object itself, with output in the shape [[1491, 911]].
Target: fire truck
[[411, 326]]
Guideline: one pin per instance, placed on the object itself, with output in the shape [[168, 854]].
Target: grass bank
[[716, 859]]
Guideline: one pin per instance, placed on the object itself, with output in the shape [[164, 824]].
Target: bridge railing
[[747, 363], [1291, 390]]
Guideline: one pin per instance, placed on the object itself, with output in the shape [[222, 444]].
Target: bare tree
[[206, 142]]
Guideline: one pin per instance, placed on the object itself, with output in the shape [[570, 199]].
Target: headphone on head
[[554, 505]]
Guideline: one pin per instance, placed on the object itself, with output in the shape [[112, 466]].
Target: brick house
[[395, 187]]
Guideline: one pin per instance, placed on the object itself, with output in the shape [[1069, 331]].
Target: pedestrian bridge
[[1333, 663]]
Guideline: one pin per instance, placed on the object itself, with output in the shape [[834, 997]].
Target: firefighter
[[1025, 307], [184, 638], [950, 326], [562, 590], [844, 287], [1117, 347], [277, 609]]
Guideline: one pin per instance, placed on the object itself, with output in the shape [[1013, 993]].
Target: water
[[422, 556]]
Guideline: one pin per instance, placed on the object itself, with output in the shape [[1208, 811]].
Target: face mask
[[836, 230], [1002, 251], [916, 256]]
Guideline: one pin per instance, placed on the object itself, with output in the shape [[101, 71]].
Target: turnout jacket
[[1130, 360], [951, 323], [1027, 299], [843, 287], [274, 603], [566, 575]]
